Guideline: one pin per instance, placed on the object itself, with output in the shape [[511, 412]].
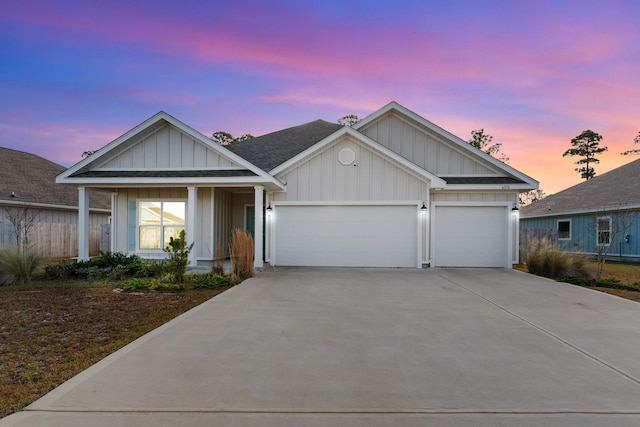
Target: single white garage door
[[347, 236], [470, 236]]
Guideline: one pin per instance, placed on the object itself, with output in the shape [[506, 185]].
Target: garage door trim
[[508, 222], [272, 221]]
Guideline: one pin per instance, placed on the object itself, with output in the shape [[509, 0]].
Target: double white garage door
[[347, 236], [387, 236]]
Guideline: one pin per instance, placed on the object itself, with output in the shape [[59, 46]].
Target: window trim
[[598, 219], [570, 228], [138, 225]]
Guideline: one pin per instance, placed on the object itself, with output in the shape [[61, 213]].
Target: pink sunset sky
[[75, 75]]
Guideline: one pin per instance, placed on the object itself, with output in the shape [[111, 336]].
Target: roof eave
[[582, 211], [270, 182]]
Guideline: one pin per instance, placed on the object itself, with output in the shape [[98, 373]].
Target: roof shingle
[[273, 149], [33, 180], [617, 188]]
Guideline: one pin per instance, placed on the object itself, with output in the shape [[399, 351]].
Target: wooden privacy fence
[[58, 240]]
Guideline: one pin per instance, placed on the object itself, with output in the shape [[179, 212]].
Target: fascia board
[[394, 106], [436, 182], [257, 180], [64, 177]]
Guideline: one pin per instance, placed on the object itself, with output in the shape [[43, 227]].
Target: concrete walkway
[[371, 347]]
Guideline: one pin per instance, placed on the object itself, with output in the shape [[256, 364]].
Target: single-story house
[[393, 190], [38, 213], [602, 211]]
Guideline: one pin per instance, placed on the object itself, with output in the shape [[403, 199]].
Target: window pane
[[604, 231], [149, 212], [170, 232], [149, 237], [174, 213], [564, 229]]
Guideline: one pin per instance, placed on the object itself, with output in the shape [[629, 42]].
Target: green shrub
[[149, 268], [135, 284], [545, 259], [16, 266], [113, 266], [209, 281], [62, 271], [140, 284], [178, 252]]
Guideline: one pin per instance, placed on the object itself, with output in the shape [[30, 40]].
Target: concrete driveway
[[371, 347]]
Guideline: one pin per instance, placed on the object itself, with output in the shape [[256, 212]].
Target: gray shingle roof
[[271, 150], [617, 188], [33, 180]]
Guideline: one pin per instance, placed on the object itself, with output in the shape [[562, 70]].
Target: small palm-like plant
[[16, 266]]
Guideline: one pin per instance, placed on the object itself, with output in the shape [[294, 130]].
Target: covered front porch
[[144, 219]]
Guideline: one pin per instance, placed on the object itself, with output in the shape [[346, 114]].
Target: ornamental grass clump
[[17, 267], [545, 259], [241, 249]]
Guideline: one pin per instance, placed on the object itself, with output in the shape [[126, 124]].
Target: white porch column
[[83, 224], [190, 227], [258, 231]]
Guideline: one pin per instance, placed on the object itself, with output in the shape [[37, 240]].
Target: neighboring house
[[38, 213], [393, 190], [597, 213]]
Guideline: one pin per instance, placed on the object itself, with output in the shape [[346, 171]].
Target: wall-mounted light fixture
[[515, 209], [269, 208], [423, 209]]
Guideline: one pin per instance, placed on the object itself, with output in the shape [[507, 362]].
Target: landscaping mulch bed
[[50, 332]]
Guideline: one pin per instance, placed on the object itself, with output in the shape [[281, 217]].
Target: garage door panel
[[362, 236], [470, 236]]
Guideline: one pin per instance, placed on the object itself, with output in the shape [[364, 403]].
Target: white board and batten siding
[[370, 177], [167, 148], [348, 208], [425, 148]]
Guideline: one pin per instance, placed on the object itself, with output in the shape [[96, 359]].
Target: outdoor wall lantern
[[269, 208], [423, 209], [515, 209]]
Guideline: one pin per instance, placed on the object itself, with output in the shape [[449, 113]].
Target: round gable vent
[[346, 156]]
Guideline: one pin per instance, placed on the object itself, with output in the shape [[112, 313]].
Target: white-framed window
[[158, 221], [564, 229], [603, 230]]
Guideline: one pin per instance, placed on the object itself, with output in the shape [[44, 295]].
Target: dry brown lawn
[[50, 332]]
